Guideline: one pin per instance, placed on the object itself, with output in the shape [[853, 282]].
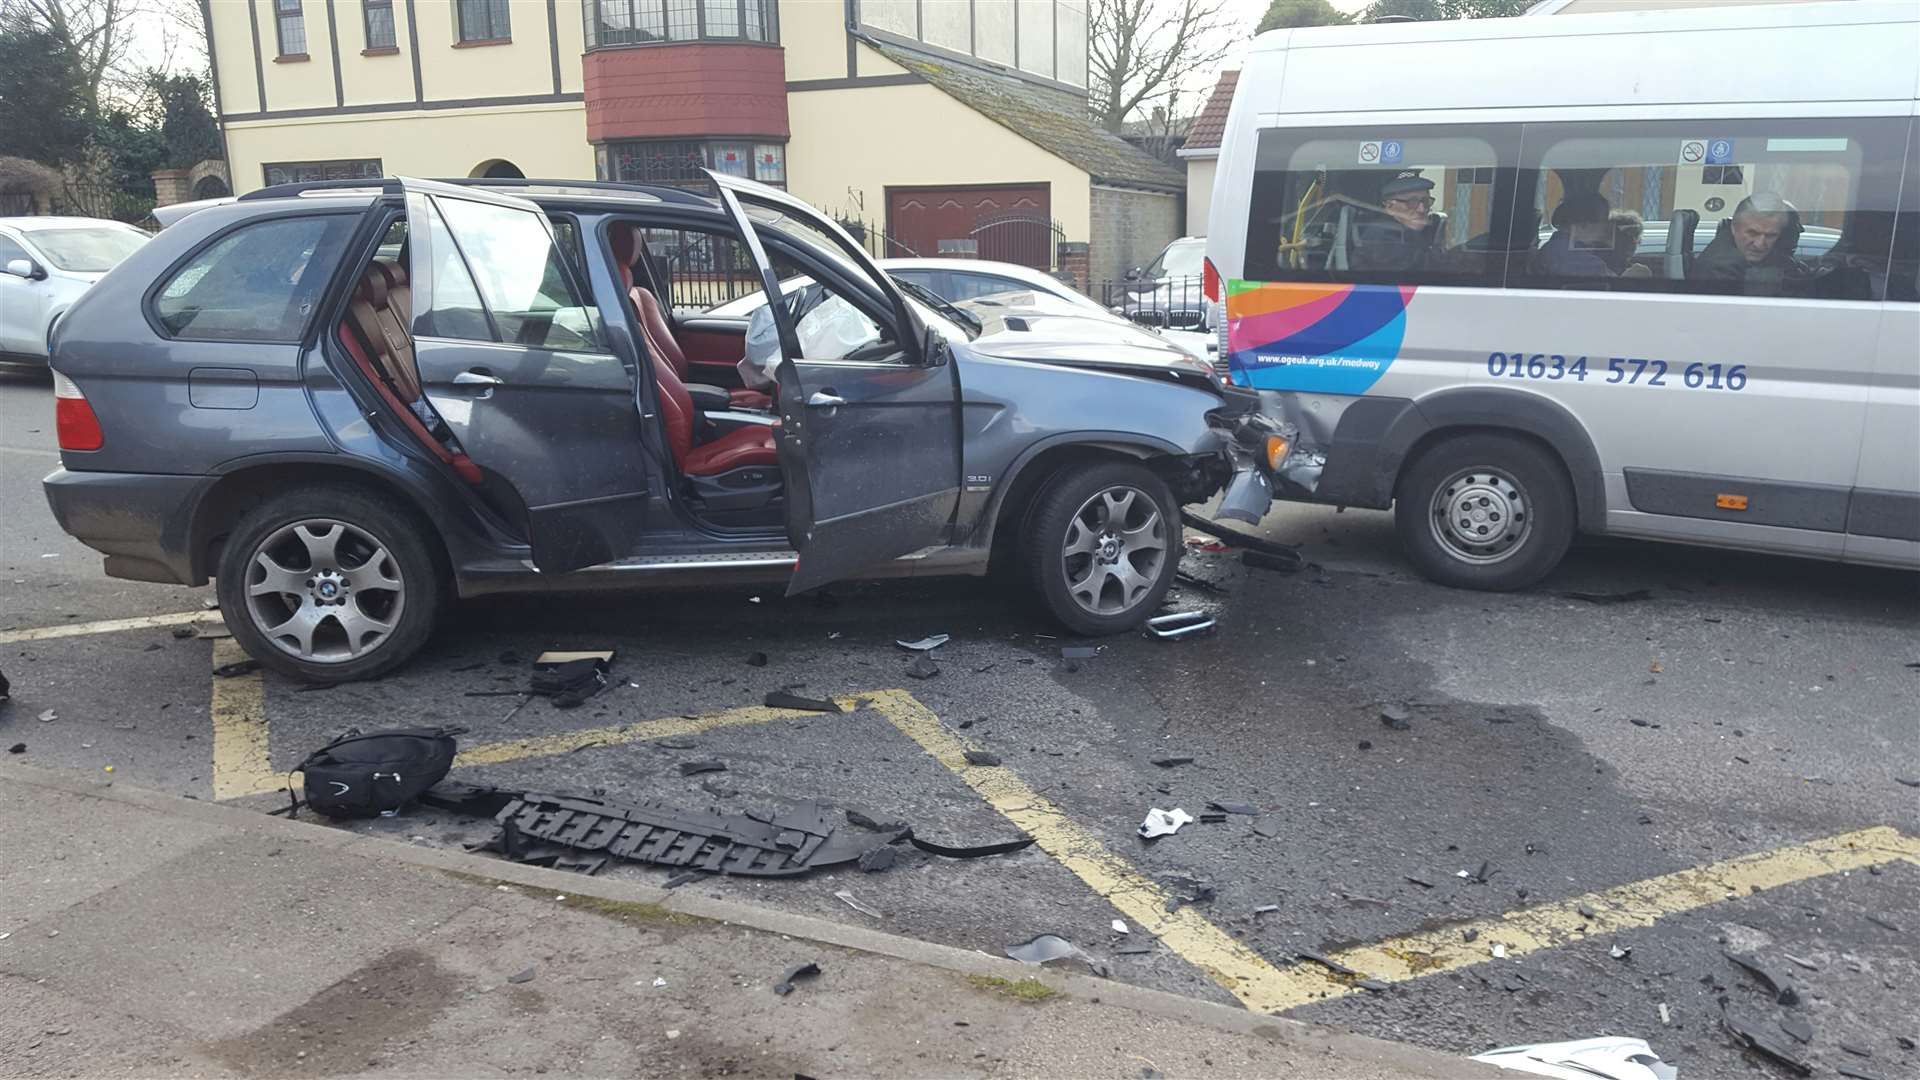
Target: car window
[[505, 266], [259, 282], [1903, 276], [10, 251], [706, 271], [964, 285], [87, 250], [831, 328], [1767, 208], [1182, 258]]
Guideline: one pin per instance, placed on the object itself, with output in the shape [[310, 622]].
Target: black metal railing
[[1178, 303]]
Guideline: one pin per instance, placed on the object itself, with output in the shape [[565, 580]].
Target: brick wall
[[1128, 229], [660, 91]]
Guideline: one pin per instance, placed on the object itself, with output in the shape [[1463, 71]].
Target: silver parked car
[[45, 264]]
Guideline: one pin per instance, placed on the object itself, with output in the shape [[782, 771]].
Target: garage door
[[1008, 222]]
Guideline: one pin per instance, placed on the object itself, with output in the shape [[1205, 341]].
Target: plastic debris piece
[[1761, 1042], [685, 877], [1583, 1059], [925, 644], [1212, 818], [1422, 882], [1327, 962], [1164, 822], [1180, 625], [1856, 1073], [1043, 949], [1078, 652], [982, 757], [756, 659], [879, 859], [1630, 597], [780, 699], [1396, 717], [846, 898], [976, 851], [1169, 761], [182, 633], [1246, 809], [1808, 964], [921, 667], [1586, 912], [49, 716], [1666, 1017], [658, 982], [695, 768], [799, 971], [1372, 985], [1285, 564], [1855, 1049], [1499, 951], [1266, 908], [1884, 923], [1120, 927], [1619, 953], [522, 977], [1469, 934], [1266, 827], [1776, 984], [865, 821], [1801, 1031], [237, 669]]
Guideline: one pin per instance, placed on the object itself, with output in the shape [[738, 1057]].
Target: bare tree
[[1142, 51], [93, 33]]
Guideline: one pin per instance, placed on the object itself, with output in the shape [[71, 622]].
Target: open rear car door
[[512, 356], [869, 439]]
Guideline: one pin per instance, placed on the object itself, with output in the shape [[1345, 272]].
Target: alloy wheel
[[1114, 550], [324, 591]]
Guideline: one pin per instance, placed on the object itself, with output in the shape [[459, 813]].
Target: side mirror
[[25, 268], [1134, 273], [933, 348]]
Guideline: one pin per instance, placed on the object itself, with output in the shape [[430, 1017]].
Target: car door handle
[[823, 400], [477, 378]]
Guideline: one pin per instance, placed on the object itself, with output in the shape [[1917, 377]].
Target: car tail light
[[1210, 281], [73, 418]]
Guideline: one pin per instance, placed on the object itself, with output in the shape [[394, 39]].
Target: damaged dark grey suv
[[349, 404]]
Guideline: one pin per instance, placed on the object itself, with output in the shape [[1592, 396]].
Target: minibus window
[[1760, 208], [1403, 206], [1903, 276]]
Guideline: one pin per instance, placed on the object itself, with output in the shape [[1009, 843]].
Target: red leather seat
[[653, 318], [751, 445]]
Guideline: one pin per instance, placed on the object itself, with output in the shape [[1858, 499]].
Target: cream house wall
[[373, 80], [925, 131], [814, 34], [547, 140], [301, 84], [1200, 173], [522, 66]]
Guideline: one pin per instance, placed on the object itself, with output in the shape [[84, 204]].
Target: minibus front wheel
[[1484, 510]]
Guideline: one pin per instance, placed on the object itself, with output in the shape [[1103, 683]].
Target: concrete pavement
[[149, 934]]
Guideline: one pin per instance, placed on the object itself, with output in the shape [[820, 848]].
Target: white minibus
[[1646, 274]]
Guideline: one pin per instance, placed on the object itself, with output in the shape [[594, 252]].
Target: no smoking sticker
[[1370, 153], [1693, 151]]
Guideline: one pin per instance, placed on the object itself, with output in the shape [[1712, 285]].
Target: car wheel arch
[[249, 482], [1005, 514], [1451, 413]]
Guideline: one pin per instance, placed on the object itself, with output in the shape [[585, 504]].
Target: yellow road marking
[[1624, 907], [239, 709], [1258, 984], [109, 626]]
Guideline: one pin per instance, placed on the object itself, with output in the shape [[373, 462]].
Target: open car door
[[869, 400], [513, 357]]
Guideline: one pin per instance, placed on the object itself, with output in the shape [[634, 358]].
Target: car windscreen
[[86, 250], [1183, 258]]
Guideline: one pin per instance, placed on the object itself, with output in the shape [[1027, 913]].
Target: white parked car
[[45, 264], [961, 280]]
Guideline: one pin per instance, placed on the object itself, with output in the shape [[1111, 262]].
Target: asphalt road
[[1743, 706]]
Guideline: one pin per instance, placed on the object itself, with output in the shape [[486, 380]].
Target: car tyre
[[1485, 511], [1102, 545], [330, 584]]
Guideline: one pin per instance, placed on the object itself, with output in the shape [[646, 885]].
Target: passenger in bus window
[[1586, 241], [1754, 248], [1628, 227], [1409, 236]]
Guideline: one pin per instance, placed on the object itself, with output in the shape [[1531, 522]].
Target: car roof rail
[[530, 185]]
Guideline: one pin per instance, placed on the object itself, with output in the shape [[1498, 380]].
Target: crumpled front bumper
[[1248, 495]]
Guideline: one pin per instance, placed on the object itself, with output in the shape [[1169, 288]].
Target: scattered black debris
[[1265, 909], [1366, 744], [879, 859], [1267, 828], [780, 699], [675, 744], [237, 668], [1078, 652], [1170, 761], [17, 748], [1905, 1043], [1469, 934], [1044, 949], [1396, 717], [1586, 911], [1200, 583], [982, 757], [1798, 1028], [1638, 722], [1137, 948], [1909, 781], [1482, 875], [976, 851], [1373, 986], [801, 971], [1247, 809], [1884, 924], [522, 977], [1753, 1038], [569, 683], [756, 659], [1621, 952], [1422, 882], [686, 877], [1856, 1074], [1212, 818], [695, 768], [1606, 598], [923, 667], [715, 789], [184, 632], [1234, 537], [1327, 962], [865, 821], [1855, 1049]]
